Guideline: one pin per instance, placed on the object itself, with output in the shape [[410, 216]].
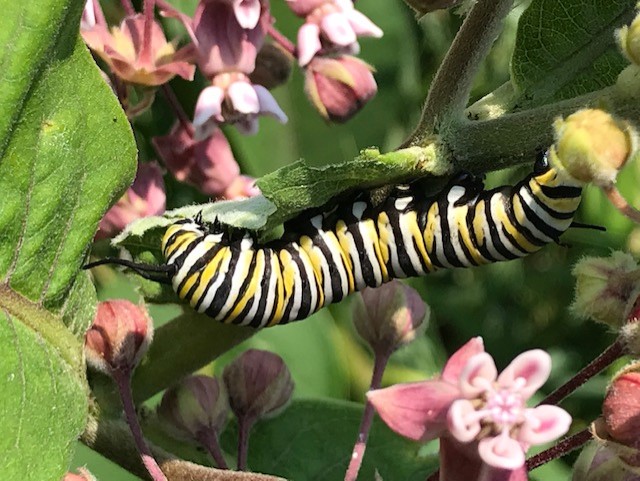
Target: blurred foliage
[[515, 306]]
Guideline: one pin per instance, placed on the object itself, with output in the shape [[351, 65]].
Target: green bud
[[606, 287], [592, 146], [629, 40]]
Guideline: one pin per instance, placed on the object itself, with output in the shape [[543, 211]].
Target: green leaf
[[314, 439], [66, 154], [566, 48]]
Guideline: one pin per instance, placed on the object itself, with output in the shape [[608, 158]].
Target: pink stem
[[122, 379], [563, 447], [176, 106], [609, 355], [98, 13], [379, 365], [243, 442], [209, 440], [283, 41], [145, 52], [128, 7], [620, 203]]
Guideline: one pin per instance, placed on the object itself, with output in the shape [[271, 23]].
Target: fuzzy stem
[[176, 106], [609, 355], [620, 203], [122, 379], [145, 52], [210, 442], [127, 6], [379, 365], [244, 429], [451, 86], [563, 447], [281, 40]]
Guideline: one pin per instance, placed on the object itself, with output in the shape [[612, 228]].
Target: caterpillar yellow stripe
[[327, 255]]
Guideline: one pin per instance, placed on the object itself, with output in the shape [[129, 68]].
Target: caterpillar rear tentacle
[[327, 254]]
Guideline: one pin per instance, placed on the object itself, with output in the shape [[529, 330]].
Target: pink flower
[[330, 25], [209, 164], [339, 87], [145, 197], [476, 410], [233, 99], [242, 187], [135, 58], [227, 34]]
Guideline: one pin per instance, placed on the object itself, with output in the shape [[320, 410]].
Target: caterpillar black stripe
[[325, 256]]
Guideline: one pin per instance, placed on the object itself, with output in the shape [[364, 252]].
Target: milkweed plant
[[122, 118]]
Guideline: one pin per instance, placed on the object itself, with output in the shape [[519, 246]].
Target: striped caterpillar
[[326, 255]]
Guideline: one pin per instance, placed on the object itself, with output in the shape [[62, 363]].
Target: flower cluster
[[477, 414], [237, 49]]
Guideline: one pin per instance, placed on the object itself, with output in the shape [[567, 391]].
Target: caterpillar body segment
[[325, 256]]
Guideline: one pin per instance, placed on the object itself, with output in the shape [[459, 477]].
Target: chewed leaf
[[566, 48]]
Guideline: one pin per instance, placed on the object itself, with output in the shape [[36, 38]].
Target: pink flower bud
[[228, 35], [208, 165], [390, 316], [242, 187], [144, 198], [135, 59], [259, 384], [339, 87], [621, 407], [83, 475], [119, 336], [196, 408]]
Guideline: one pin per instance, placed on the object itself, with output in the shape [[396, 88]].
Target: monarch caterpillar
[[326, 255]]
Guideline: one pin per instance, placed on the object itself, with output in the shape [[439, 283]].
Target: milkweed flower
[[144, 198], [476, 412], [135, 58], [330, 25], [209, 164], [339, 87], [233, 99]]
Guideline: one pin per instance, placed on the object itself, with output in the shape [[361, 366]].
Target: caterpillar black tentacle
[[327, 254]]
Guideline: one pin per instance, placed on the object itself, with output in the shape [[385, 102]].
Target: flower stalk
[[560, 449]]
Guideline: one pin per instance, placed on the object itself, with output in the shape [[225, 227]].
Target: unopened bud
[[629, 40], [339, 87], [423, 7], [83, 475], [258, 384], [273, 67], [621, 407], [592, 146], [606, 287], [119, 336], [195, 408], [390, 316], [599, 461]]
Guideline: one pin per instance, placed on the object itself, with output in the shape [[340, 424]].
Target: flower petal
[[208, 106], [243, 97], [247, 12], [268, 104], [501, 452], [477, 375], [458, 360], [247, 125], [362, 25], [529, 370], [415, 410], [308, 43], [543, 424], [463, 423], [337, 29]]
